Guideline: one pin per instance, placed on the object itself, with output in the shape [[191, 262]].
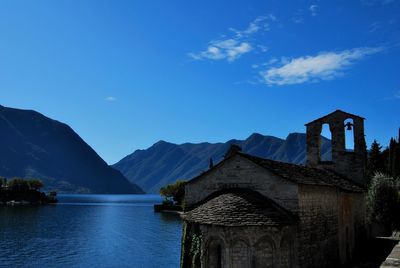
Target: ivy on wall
[[191, 246]]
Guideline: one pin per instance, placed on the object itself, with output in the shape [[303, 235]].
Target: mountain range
[[35, 146], [165, 162]]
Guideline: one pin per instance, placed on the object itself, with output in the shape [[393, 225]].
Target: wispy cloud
[[298, 19], [377, 2], [237, 45], [313, 10], [260, 23], [324, 66], [374, 26], [396, 95], [110, 98]]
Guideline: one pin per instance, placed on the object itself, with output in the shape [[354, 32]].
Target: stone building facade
[[252, 212]]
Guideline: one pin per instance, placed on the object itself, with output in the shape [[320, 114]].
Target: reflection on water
[[90, 231]]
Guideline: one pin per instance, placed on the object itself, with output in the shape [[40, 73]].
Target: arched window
[[325, 148], [215, 254], [349, 134], [240, 255], [264, 255]]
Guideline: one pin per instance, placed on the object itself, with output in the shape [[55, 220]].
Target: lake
[[90, 231]]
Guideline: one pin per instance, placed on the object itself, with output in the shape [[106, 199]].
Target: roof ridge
[[295, 173], [237, 207], [335, 176]]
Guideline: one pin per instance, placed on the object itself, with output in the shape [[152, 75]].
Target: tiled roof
[[239, 207], [305, 175]]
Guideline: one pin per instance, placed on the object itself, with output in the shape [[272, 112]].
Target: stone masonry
[[252, 212]]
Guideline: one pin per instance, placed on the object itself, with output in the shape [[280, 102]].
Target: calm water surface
[[90, 231]]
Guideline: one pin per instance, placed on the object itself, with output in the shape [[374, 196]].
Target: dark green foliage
[[52, 197], [18, 185], [174, 192], [383, 201], [394, 157], [35, 184], [52, 193], [376, 162], [18, 190], [167, 202], [386, 161]]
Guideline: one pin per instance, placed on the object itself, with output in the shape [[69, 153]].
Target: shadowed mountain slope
[[32, 145]]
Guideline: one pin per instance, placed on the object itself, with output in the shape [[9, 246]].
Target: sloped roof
[[337, 111], [305, 175], [239, 207], [296, 173]]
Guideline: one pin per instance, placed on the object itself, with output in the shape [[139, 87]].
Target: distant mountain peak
[[166, 162], [162, 142], [256, 135]]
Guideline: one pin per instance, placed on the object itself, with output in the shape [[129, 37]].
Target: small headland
[[173, 197], [24, 192]]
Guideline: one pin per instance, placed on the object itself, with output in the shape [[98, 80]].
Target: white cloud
[[110, 98], [234, 47], [324, 66], [229, 49], [260, 23], [313, 9]]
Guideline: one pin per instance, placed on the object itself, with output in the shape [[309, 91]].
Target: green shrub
[[383, 202], [35, 184], [18, 184], [174, 192]]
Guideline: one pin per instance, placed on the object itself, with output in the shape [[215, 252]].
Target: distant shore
[[26, 197]]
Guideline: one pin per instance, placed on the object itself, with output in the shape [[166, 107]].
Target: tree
[[35, 184], [376, 162], [383, 202], [174, 192], [18, 184], [3, 181], [394, 157]]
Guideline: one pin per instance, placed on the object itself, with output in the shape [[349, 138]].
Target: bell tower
[[350, 163]]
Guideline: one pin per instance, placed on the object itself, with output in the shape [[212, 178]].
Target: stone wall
[[350, 164], [245, 247], [318, 226], [239, 172], [331, 224], [351, 223]]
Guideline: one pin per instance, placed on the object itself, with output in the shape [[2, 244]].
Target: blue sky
[[125, 74]]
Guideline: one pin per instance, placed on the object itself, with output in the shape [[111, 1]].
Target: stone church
[[252, 212]]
